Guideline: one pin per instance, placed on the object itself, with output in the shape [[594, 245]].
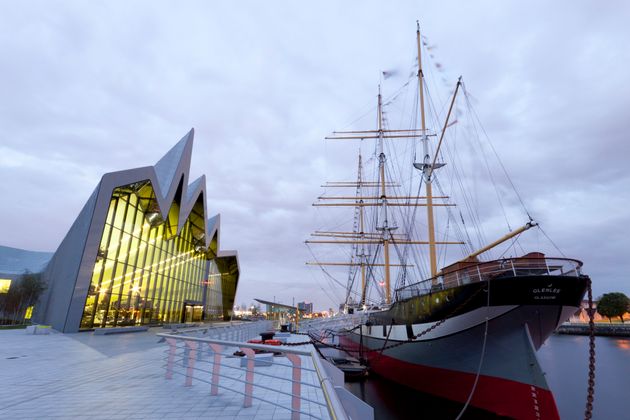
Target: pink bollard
[[217, 349], [296, 389], [172, 344], [192, 355], [249, 376]]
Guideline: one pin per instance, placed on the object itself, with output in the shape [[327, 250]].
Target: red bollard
[[249, 376], [217, 349], [296, 388], [192, 355]]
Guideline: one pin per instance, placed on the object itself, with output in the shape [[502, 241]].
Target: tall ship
[[435, 305]]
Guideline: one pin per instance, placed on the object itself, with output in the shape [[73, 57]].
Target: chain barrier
[[432, 327], [400, 343], [588, 413], [385, 347]]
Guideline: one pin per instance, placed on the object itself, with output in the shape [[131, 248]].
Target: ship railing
[[271, 379], [485, 271], [339, 322]]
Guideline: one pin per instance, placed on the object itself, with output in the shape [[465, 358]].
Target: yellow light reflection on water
[[623, 343]]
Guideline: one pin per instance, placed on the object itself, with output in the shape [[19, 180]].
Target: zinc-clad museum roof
[[17, 261]]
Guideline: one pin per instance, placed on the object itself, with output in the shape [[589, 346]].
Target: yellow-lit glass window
[[29, 312], [120, 214], [5, 284]]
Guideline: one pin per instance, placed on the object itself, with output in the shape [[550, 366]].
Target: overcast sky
[[93, 87]]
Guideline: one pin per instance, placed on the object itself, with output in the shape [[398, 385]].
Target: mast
[[361, 253], [384, 232], [384, 228], [426, 169]]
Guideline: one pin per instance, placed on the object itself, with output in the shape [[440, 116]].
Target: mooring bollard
[[217, 349], [172, 344], [192, 355], [249, 376], [296, 388]]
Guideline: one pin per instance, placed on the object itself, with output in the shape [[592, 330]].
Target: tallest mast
[[427, 169]]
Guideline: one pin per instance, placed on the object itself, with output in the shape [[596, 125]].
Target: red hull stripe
[[501, 396]]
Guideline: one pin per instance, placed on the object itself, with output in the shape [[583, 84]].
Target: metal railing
[[284, 377], [231, 331], [320, 326], [484, 271]]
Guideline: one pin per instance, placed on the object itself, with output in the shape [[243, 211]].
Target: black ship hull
[[474, 342]]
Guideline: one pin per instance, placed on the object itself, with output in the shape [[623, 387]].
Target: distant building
[[141, 252], [581, 315], [305, 307]]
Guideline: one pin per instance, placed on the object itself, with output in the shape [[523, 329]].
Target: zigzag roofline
[[70, 271], [171, 171]]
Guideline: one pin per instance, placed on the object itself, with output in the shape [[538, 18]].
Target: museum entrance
[[192, 312]]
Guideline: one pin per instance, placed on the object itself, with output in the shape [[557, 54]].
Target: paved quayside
[[122, 376]]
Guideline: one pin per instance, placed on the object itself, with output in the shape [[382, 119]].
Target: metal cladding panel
[[61, 272], [15, 261], [230, 270], [84, 274]]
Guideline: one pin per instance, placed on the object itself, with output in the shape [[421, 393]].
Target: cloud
[[95, 87]]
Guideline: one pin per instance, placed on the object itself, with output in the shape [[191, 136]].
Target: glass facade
[[5, 285], [145, 273]]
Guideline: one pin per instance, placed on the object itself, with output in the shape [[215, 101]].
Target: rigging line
[[459, 233], [467, 199], [419, 257], [351, 286], [326, 292], [328, 275], [518, 195], [451, 150], [481, 358], [552, 242], [513, 241], [451, 218], [318, 281], [368, 111], [487, 164], [371, 271], [444, 238]]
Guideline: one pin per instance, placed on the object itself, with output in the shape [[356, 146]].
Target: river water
[[564, 358]]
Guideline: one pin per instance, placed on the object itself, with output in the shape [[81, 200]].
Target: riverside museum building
[[141, 252]]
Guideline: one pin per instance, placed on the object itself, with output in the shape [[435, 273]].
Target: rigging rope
[[481, 358], [552, 242], [518, 195]]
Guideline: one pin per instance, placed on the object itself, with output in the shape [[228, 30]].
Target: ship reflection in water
[[394, 401], [564, 358]]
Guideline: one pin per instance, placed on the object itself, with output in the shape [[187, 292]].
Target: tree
[[613, 304], [255, 308], [22, 295]]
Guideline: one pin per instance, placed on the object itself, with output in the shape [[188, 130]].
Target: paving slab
[[121, 376]]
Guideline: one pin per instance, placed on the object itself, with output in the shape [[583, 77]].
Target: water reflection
[[623, 343], [564, 358]]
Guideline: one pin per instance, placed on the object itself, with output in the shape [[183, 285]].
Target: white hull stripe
[[450, 326]]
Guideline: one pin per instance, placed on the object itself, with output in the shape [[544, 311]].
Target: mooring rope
[[483, 354]]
